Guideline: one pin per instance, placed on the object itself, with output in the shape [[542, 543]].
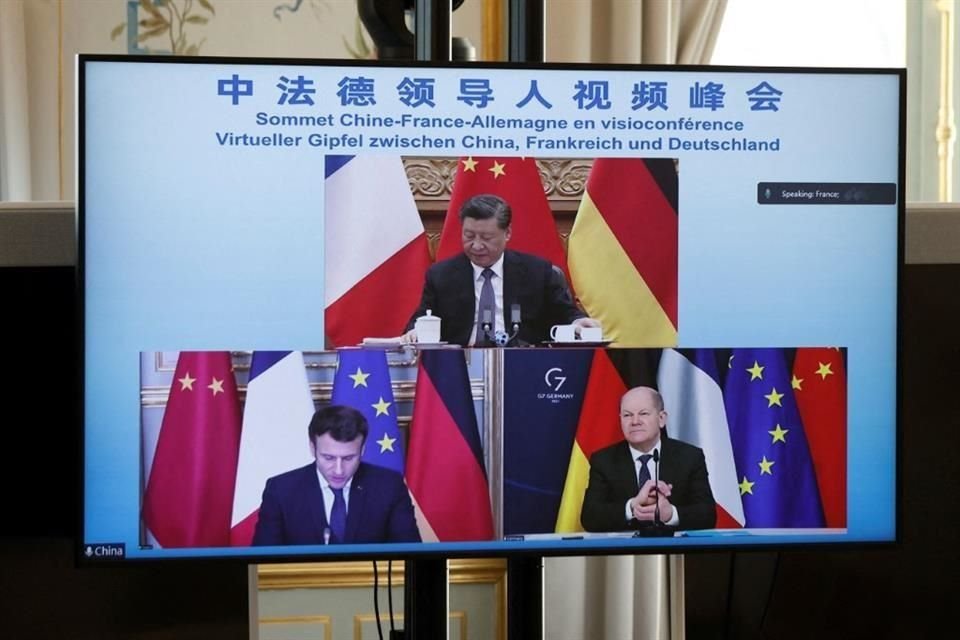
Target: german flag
[[612, 373], [445, 470], [623, 250]]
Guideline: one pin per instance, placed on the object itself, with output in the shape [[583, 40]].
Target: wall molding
[[320, 575]]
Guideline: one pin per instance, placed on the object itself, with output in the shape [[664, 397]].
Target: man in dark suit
[[622, 492], [486, 280], [336, 499]]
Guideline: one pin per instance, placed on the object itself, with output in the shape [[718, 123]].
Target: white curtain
[[15, 183], [632, 31], [623, 597], [613, 598]]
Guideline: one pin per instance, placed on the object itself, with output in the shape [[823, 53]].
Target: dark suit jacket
[[613, 481], [379, 510], [532, 282]]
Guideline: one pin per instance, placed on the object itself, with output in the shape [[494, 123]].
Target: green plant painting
[[165, 20]]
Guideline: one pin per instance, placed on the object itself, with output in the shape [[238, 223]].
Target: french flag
[[376, 248], [689, 382], [274, 436]]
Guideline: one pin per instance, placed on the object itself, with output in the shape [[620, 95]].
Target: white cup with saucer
[[591, 334], [427, 328], [563, 333]]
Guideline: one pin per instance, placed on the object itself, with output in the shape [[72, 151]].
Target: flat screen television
[[257, 236]]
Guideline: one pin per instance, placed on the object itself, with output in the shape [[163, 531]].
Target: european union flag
[[362, 381], [775, 472]]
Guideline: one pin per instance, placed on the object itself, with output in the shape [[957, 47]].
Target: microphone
[[486, 324], [658, 529], [326, 535], [656, 488], [515, 321]]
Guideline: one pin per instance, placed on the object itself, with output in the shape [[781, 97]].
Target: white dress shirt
[[328, 496], [651, 468]]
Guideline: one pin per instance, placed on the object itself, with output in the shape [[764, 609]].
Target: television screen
[[341, 310]]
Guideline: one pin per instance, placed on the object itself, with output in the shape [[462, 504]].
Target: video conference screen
[[349, 310]]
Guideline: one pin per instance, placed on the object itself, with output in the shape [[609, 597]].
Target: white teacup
[[591, 334], [563, 333], [428, 328]]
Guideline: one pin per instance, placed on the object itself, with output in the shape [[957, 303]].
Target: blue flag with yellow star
[[362, 381], [778, 485]]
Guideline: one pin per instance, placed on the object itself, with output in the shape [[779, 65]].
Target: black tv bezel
[[710, 545]]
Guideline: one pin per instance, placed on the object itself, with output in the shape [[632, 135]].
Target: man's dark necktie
[[487, 304], [644, 474], [338, 515]]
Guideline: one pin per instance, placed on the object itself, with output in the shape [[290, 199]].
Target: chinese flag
[[189, 497], [820, 387], [516, 180]]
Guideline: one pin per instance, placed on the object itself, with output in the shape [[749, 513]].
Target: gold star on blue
[[765, 466], [386, 443], [381, 407], [774, 398], [359, 378], [779, 434]]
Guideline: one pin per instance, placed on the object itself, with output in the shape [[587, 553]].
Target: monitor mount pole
[[430, 40], [425, 601], [525, 574], [425, 580]]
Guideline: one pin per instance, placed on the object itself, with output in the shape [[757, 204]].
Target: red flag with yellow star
[[516, 180], [820, 387], [188, 501]]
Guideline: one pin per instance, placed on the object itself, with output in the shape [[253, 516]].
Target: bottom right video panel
[[614, 443]]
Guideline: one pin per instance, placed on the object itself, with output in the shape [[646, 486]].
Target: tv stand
[[425, 601]]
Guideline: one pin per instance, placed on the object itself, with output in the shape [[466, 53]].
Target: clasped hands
[[643, 505]]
